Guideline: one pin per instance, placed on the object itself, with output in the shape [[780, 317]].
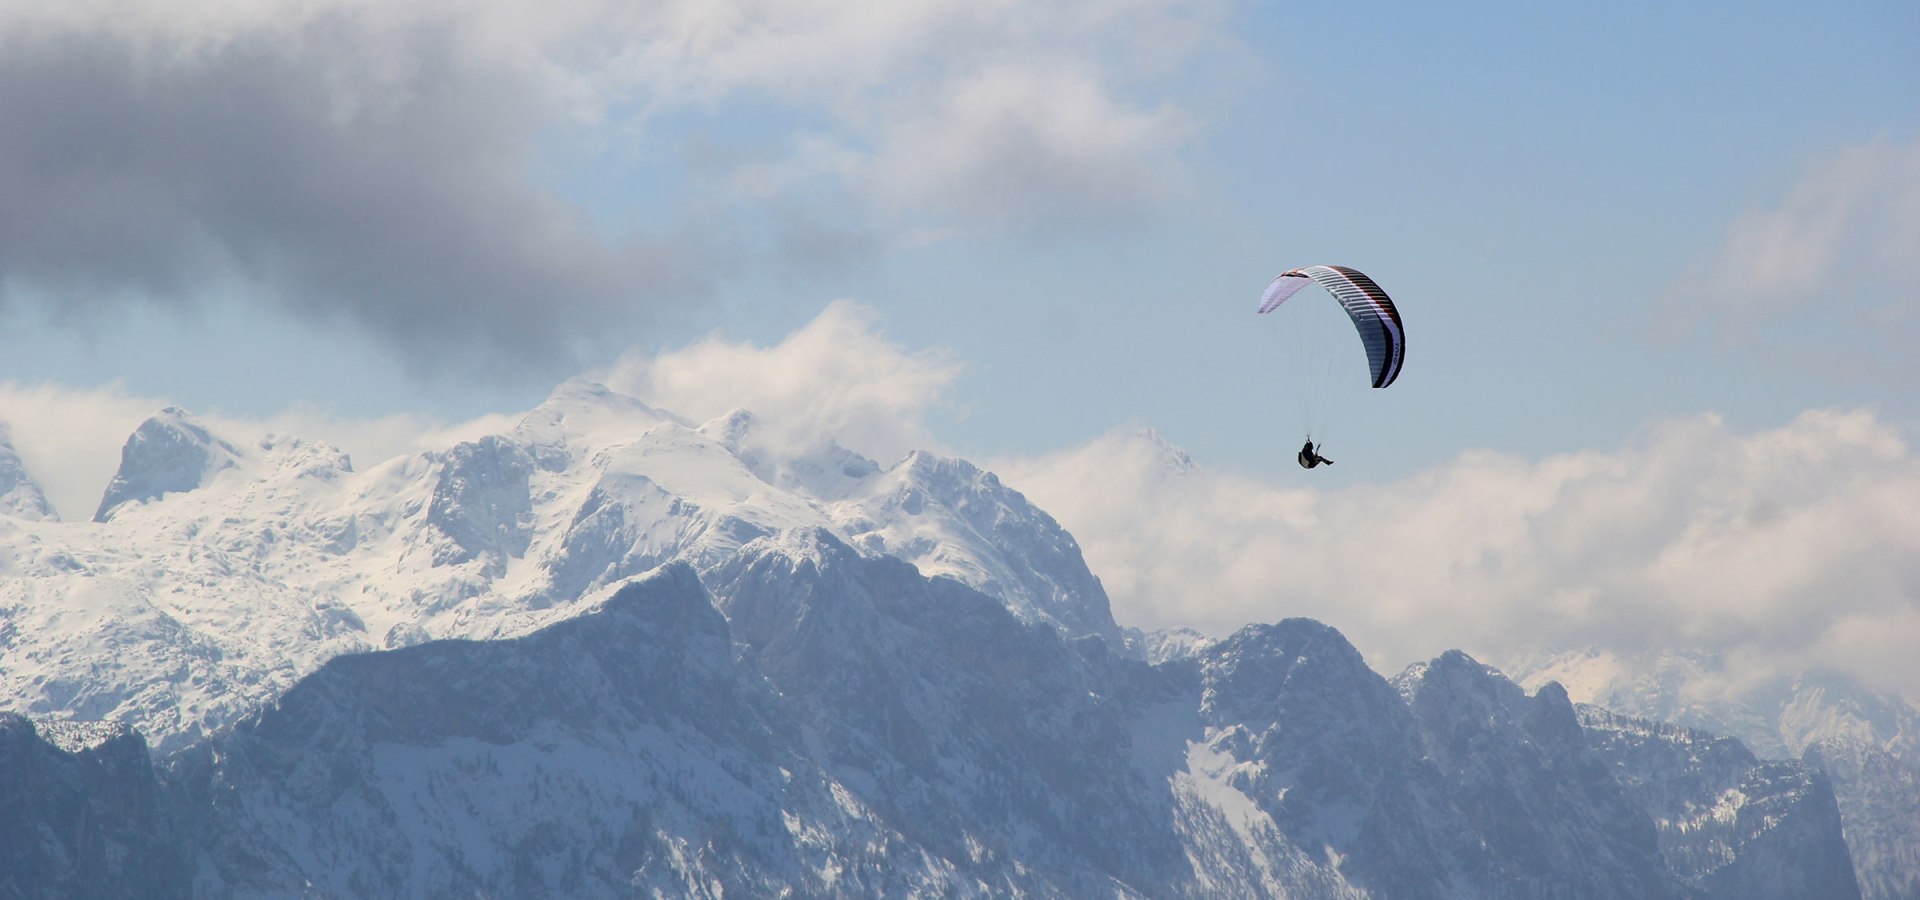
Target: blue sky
[[1532, 183], [1598, 220]]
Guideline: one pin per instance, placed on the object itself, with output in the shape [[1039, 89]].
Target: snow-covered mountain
[[218, 572], [609, 651], [1866, 744]]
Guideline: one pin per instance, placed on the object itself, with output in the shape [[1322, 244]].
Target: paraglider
[[1373, 315], [1310, 457]]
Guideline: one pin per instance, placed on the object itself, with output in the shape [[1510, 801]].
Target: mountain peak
[[948, 516], [582, 414], [1171, 456], [171, 452], [731, 430], [20, 496], [1454, 673]]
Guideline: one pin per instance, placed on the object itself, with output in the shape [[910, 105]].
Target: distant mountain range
[[612, 652], [1866, 744]]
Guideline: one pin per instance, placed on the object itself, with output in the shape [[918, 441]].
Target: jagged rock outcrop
[[481, 503], [1549, 809], [1731, 825]]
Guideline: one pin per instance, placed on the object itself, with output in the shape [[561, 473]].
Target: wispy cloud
[[1030, 147], [1786, 547], [1842, 238]]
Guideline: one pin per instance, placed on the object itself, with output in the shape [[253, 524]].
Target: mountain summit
[[169, 453]]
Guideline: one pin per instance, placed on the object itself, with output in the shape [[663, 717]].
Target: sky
[[1659, 267]]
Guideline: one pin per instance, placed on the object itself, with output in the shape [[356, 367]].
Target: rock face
[[996, 746], [20, 496], [169, 453], [1879, 793], [481, 504], [82, 814]]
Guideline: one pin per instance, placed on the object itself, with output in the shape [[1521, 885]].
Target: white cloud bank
[[1794, 546]]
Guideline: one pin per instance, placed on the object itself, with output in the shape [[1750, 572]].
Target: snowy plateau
[[611, 652]]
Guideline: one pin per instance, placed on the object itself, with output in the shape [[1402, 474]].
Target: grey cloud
[[346, 173]]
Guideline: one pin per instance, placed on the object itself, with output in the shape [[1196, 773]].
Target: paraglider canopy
[[1373, 314]]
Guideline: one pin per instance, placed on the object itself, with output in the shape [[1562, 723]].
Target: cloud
[[1789, 547], [378, 164], [953, 117], [1020, 146], [837, 377], [848, 53], [337, 170], [69, 438], [1841, 238]]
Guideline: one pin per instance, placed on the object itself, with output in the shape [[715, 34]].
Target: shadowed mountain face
[[1729, 824], [82, 814], [852, 728]]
